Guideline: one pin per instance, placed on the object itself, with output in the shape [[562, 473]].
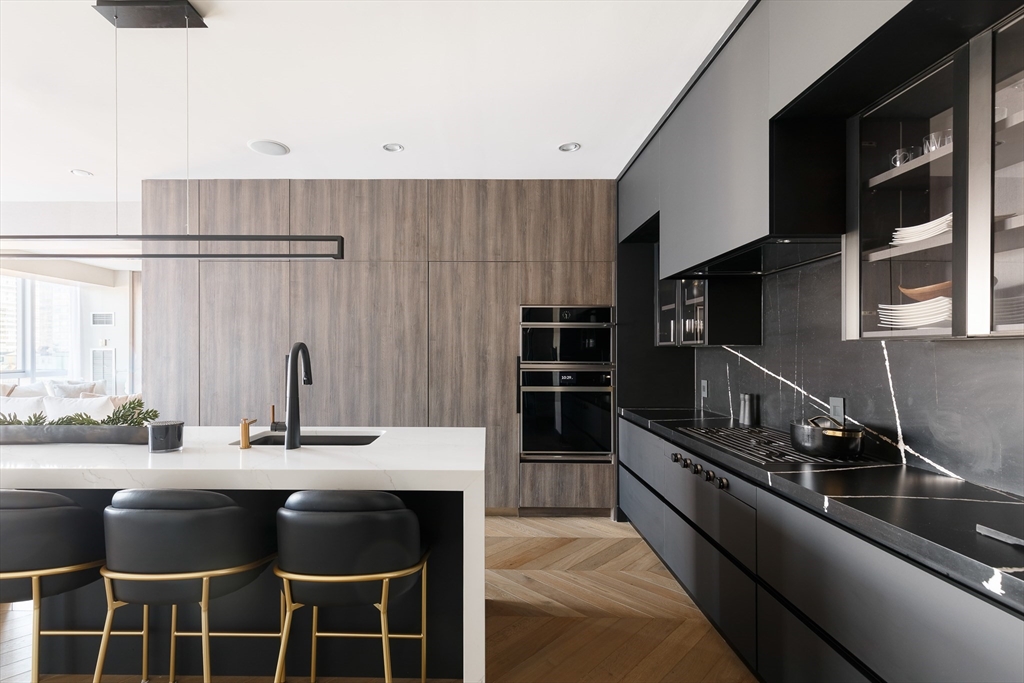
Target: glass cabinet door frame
[[972, 194]]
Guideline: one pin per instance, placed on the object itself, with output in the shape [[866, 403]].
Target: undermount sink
[[277, 439]]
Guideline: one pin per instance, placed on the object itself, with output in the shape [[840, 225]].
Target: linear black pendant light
[[165, 14]]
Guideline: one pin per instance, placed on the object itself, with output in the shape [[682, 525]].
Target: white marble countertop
[[403, 458]]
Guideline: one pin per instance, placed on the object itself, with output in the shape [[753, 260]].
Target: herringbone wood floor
[[568, 599]]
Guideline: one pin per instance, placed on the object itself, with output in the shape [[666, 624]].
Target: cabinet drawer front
[[720, 588], [790, 652], [903, 622], [731, 523], [566, 485], [641, 451], [644, 510]]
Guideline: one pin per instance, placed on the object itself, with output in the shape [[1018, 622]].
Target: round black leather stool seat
[[43, 530], [171, 531], [345, 533]]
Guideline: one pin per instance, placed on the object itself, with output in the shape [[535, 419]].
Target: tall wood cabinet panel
[[366, 326], [170, 304], [233, 207], [472, 363], [568, 220], [714, 149], [244, 337], [474, 220], [381, 220], [569, 283]]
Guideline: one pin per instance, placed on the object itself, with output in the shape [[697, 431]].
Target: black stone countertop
[[926, 517]]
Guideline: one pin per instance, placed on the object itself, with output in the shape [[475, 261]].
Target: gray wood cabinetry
[[234, 207], [566, 485], [638, 189], [713, 192], [475, 220], [381, 220], [170, 304], [789, 651], [646, 513], [365, 325], [567, 283], [243, 340], [472, 363], [902, 622], [568, 220]]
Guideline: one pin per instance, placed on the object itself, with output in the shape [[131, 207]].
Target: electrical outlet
[[703, 388], [837, 409]]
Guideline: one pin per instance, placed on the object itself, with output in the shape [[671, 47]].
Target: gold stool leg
[[312, 663], [285, 630], [107, 627], [174, 642], [383, 607], [204, 606], [423, 626], [36, 600], [145, 644]]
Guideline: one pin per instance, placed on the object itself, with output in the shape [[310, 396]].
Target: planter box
[[16, 435]]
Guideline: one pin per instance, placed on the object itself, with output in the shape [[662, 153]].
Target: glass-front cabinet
[[934, 243]]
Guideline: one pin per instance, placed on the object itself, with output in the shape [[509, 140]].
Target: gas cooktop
[[758, 444]]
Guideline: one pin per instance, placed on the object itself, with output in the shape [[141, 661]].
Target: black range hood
[[766, 256]]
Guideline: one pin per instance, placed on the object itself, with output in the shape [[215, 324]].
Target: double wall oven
[[566, 384]]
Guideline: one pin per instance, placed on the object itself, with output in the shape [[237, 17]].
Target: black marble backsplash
[[950, 406]]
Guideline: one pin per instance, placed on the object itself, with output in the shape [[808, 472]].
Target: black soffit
[[917, 37], [150, 13]]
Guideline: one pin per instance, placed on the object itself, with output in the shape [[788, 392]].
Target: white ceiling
[[472, 89]]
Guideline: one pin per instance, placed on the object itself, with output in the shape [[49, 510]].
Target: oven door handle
[[519, 384]]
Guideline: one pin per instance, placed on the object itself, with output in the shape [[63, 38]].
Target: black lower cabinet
[[719, 587], [902, 622], [725, 594], [788, 651]]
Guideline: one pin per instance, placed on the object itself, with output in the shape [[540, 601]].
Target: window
[[38, 329]]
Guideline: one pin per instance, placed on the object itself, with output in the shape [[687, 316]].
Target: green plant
[[133, 413]]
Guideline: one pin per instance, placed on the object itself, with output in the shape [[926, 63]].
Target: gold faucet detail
[[243, 441]]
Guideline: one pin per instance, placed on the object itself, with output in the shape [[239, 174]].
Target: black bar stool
[[334, 547], [170, 546], [48, 546]]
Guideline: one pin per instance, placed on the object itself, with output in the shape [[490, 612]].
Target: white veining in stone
[[825, 405], [826, 503], [995, 584], [769, 480], [895, 409], [965, 500], [841, 469]]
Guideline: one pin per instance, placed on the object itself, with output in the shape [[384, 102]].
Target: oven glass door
[[566, 344], [566, 421]]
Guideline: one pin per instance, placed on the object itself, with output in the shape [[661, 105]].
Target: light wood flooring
[[568, 599]]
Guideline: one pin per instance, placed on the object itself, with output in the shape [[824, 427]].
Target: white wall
[[116, 300]]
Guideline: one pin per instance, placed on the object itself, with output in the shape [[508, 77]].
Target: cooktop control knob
[[709, 475], [723, 483], [675, 457], [686, 463], [696, 468]]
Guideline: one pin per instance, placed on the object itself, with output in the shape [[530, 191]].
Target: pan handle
[[816, 421]]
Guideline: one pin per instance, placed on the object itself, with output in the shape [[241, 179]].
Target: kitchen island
[[438, 472]]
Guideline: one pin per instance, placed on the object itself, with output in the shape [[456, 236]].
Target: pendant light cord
[[188, 197], [117, 202]]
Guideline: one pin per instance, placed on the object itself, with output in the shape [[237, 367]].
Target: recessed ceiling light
[[393, 147], [80, 172], [569, 147], [269, 147]]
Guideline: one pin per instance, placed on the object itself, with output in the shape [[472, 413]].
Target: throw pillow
[[23, 407], [33, 389], [96, 408], [70, 389]]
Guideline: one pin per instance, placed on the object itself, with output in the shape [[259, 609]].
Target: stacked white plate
[[917, 314], [916, 233], [1008, 310]]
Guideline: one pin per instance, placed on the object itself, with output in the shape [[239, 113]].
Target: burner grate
[[758, 444]]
